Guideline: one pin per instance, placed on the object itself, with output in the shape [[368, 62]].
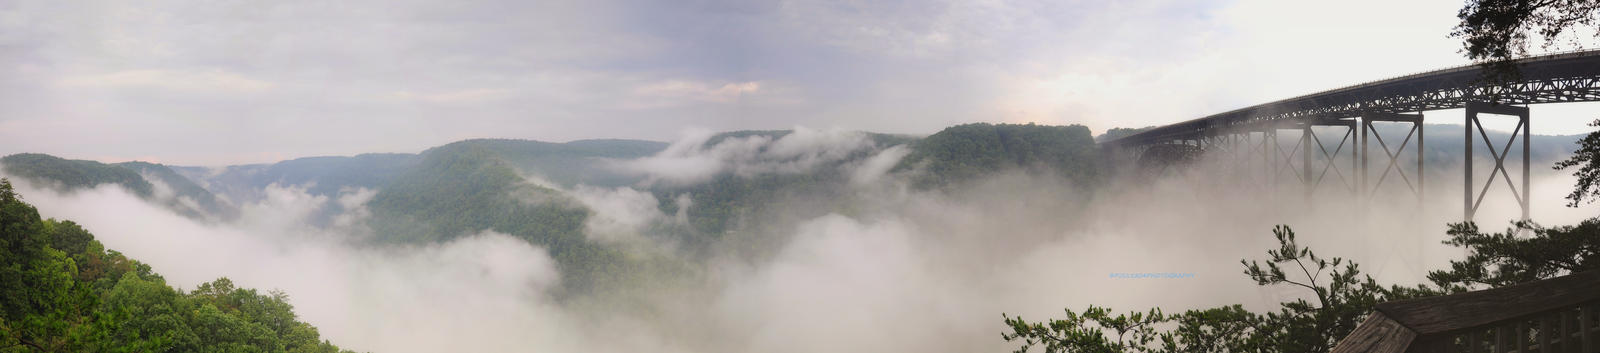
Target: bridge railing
[[1572, 76], [1472, 66], [1558, 315]]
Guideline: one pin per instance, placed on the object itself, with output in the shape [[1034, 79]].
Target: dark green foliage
[[61, 291], [1587, 159], [1093, 331], [1494, 32], [1343, 297], [24, 251], [70, 174], [1526, 252], [965, 152]]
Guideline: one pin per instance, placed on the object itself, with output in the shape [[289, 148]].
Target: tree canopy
[[1494, 32], [62, 291], [964, 152]]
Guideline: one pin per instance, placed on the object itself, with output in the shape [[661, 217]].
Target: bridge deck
[[1554, 78]]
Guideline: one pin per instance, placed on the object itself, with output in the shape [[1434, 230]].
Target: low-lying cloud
[[898, 270], [693, 159]]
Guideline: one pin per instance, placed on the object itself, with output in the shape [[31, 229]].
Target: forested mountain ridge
[[322, 176], [329, 175], [743, 190], [167, 188], [567, 164], [62, 291], [73, 174], [485, 184], [964, 152], [467, 189]]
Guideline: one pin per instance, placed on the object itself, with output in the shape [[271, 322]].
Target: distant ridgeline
[[153, 182], [764, 182], [965, 152], [62, 291]]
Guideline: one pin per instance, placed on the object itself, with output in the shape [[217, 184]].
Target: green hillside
[[467, 188], [72, 174], [64, 175], [567, 164], [319, 175], [965, 152], [62, 291]]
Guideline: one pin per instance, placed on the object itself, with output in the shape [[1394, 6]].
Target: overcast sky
[[228, 82]]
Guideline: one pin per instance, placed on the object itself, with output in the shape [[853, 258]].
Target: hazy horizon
[[219, 84], [785, 176]]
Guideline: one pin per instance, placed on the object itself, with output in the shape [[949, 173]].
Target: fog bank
[[901, 270]]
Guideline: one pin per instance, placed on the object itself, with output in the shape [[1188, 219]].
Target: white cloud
[[621, 215], [875, 168], [691, 160], [904, 271]]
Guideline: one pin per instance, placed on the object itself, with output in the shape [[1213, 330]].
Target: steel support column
[[1287, 157], [1369, 132], [1471, 204], [1314, 176]]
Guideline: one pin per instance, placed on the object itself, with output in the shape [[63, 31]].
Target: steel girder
[[1573, 77]]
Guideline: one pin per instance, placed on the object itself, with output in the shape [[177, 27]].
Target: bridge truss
[[1352, 111]]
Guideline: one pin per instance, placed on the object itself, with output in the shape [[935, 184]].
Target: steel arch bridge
[[1250, 134]]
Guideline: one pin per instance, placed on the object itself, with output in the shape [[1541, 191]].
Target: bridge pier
[[1284, 160], [1471, 204], [1314, 177], [1369, 133]]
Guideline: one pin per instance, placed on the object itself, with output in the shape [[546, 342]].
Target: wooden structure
[[1558, 315]]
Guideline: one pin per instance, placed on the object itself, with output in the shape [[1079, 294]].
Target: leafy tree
[[62, 291], [1502, 259], [1495, 31], [148, 313], [1587, 160], [1343, 297], [1095, 330]]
